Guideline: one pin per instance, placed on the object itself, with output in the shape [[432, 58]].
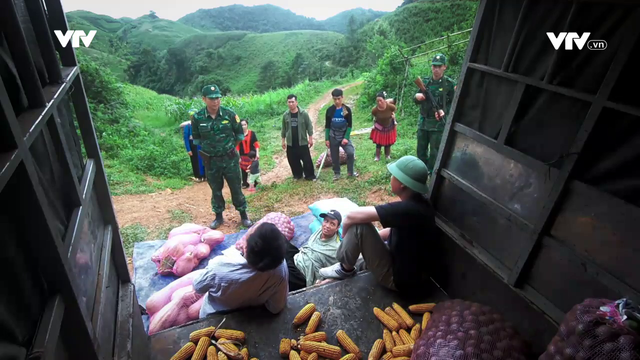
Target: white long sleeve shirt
[[229, 283]]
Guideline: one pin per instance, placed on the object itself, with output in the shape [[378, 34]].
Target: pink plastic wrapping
[[161, 298], [188, 228], [464, 330], [185, 264], [201, 251], [280, 220]]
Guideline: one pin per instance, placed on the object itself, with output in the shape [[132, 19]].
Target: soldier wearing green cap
[[218, 131], [397, 254], [431, 124]]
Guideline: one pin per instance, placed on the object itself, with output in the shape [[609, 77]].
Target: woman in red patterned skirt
[[250, 143], [384, 131]]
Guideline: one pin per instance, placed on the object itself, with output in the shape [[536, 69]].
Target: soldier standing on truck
[[218, 131], [431, 123]]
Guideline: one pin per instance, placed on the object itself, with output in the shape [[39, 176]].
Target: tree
[[152, 15], [268, 76]]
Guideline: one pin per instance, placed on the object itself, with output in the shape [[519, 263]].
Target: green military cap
[[411, 172], [439, 59], [211, 91]]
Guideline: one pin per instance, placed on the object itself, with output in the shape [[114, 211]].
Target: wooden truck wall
[[66, 290]]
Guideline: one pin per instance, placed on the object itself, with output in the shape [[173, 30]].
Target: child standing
[[253, 171]]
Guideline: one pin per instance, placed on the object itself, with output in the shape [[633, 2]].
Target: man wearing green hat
[[217, 130], [395, 255], [431, 123]]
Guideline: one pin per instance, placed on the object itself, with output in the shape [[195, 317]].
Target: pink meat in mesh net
[[463, 330], [329, 162], [280, 220], [595, 329]]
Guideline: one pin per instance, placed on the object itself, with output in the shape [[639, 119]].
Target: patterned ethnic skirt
[[245, 162], [384, 136]]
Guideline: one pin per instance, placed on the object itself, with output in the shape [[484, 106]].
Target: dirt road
[[153, 210]]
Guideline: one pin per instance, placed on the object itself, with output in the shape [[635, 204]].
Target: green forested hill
[[340, 23], [259, 18], [238, 62]]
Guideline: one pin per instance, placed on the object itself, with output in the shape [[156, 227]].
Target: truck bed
[[346, 305]]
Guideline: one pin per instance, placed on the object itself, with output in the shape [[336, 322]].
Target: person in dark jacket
[[297, 139], [337, 133], [196, 161]]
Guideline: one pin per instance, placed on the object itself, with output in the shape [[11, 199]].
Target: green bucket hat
[[439, 59], [411, 172], [211, 91]]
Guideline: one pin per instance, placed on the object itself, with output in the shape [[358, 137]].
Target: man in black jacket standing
[[338, 124]]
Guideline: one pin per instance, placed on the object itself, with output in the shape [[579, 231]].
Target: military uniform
[[429, 128], [218, 136]]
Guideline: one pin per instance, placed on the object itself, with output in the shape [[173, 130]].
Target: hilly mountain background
[[255, 49]]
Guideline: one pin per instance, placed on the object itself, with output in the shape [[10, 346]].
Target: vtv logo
[[569, 38], [75, 36]]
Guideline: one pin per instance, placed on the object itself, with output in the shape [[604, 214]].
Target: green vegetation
[[270, 18]]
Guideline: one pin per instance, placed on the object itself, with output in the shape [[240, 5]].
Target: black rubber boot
[[245, 219], [217, 222]]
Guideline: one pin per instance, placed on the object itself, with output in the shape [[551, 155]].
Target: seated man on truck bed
[[408, 224], [320, 251], [254, 277]]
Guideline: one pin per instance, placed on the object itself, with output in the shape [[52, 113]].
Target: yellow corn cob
[[349, 357], [415, 332], [222, 356], [285, 347], [406, 338], [294, 355], [388, 340], [421, 308], [294, 344], [304, 355], [313, 356], [387, 356], [185, 352], [212, 353], [245, 354], [230, 348], [234, 335], [254, 358], [394, 315], [325, 350], [196, 335], [403, 314], [401, 358], [425, 320], [304, 314], [313, 323], [386, 320], [201, 348], [348, 344], [316, 336], [397, 339], [376, 350], [404, 350]]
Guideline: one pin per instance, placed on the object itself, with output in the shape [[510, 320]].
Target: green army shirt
[[217, 136], [442, 91]]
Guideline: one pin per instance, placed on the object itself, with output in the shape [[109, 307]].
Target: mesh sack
[[328, 162], [597, 329], [463, 330], [280, 220]]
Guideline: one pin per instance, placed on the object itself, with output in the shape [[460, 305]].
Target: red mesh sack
[[597, 329], [280, 220], [463, 330]]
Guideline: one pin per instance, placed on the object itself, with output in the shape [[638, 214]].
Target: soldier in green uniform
[[217, 130], [431, 124]]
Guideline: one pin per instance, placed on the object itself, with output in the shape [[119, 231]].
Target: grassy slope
[[157, 34], [256, 49], [339, 23]]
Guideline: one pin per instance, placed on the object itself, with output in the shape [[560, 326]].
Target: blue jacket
[[187, 135]]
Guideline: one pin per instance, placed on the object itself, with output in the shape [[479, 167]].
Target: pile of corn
[[398, 337], [201, 344]]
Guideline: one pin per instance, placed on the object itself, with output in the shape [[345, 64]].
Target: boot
[[217, 222], [245, 219]]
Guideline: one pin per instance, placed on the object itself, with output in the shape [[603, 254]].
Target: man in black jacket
[[338, 123]]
